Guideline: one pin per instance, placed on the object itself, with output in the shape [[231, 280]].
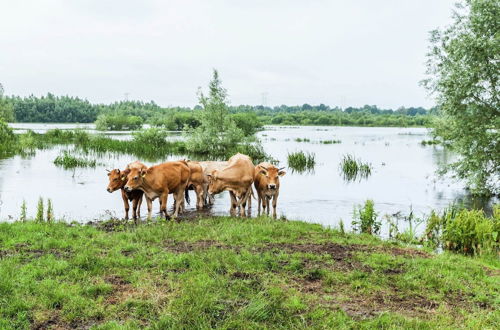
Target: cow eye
[[115, 179], [136, 178]]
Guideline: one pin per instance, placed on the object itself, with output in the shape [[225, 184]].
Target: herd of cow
[[206, 178]]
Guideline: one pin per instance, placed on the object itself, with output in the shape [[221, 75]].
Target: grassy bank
[[233, 273]]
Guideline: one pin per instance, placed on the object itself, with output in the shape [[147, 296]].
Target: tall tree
[[463, 69]]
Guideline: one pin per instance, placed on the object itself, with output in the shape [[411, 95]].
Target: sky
[[338, 52]]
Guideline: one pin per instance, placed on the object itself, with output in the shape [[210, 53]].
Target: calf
[[117, 180], [159, 181], [267, 184], [237, 178]]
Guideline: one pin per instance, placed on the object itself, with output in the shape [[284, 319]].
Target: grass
[[66, 160], [300, 161], [430, 142], [228, 273], [353, 168], [302, 140], [330, 141]]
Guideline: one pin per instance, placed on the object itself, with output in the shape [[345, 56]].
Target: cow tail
[[186, 196]]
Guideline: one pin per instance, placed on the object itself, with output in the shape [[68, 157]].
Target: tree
[[6, 111], [217, 132], [463, 68]]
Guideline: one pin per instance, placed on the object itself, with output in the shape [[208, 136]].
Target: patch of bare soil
[[121, 289], [27, 252], [56, 323], [184, 247]]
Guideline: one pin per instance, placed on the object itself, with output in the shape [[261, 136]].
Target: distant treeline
[[65, 109]]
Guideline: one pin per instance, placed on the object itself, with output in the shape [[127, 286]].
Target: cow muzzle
[[128, 189], [272, 186], [109, 190]]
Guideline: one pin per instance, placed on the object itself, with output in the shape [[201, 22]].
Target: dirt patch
[[184, 247], [56, 323], [27, 253], [121, 289]]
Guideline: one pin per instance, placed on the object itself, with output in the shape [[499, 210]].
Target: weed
[[353, 168], [22, 217], [50, 211], [69, 161], [301, 161], [302, 140], [39, 210], [330, 141], [365, 219]]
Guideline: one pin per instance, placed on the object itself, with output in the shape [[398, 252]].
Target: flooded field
[[403, 177]]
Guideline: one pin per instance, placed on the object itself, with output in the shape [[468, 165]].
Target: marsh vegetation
[[301, 161], [353, 168]]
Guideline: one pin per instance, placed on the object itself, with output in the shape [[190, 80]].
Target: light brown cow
[[198, 182], [208, 168], [117, 180], [159, 181], [237, 178], [267, 184]]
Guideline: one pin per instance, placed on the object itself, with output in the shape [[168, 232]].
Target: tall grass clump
[[353, 168], [24, 209], [302, 140], [330, 141], [152, 137], [365, 218], [66, 160], [50, 211], [39, 210], [465, 231], [300, 161]]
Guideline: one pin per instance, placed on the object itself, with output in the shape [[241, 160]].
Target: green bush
[[154, 137], [118, 122], [465, 231], [6, 133]]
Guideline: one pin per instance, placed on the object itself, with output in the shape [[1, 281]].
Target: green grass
[[300, 161], [234, 273], [67, 161], [302, 140], [353, 168], [330, 141]]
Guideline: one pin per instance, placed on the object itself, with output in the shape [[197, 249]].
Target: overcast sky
[[345, 53]]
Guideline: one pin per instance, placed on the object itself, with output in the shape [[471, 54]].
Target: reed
[[353, 168], [66, 160], [300, 161]]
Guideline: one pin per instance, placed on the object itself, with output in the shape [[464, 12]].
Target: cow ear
[[143, 173], [281, 173], [263, 172]]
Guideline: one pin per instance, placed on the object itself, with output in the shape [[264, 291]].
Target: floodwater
[[403, 178]]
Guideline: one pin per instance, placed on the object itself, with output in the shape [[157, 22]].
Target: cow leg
[[125, 203], [199, 197], [268, 204], [139, 203], [135, 201], [234, 203], [275, 202], [179, 202], [149, 201], [163, 204]]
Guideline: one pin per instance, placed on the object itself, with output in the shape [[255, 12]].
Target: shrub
[[365, 219], [155, 137], [118, 122], [465, 231], [6, 133]]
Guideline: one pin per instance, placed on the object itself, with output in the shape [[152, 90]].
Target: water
[[403, 177]]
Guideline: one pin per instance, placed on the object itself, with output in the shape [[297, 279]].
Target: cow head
[[215, 185], [117, 179], [135, 178], [272, 176]]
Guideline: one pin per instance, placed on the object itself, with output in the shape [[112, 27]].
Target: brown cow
[[208, 168], [159, 181], [117, 180], [237, 178], [267, 184], [198, 182]]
